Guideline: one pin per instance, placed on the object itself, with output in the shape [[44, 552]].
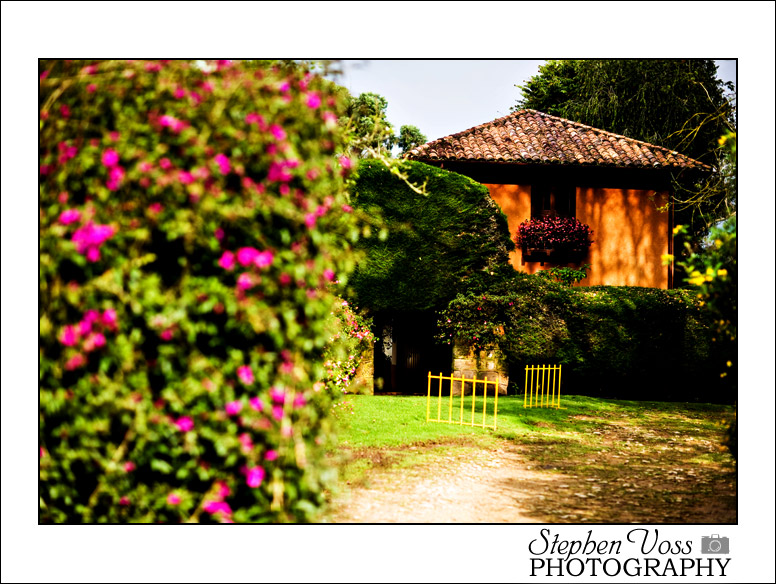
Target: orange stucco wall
[[629, 232]]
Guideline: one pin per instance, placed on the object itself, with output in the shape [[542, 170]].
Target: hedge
[[623, 342], [433, 245]]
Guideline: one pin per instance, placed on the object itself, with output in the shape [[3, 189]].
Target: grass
[[379, 421], [637, 461]]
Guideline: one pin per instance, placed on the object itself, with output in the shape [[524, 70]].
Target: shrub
[[349, 347], [615, 341], [191, 218]]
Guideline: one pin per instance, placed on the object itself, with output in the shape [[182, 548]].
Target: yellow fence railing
[[468, 410], [542, 386]]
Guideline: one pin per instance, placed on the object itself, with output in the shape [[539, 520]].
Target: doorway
[[406, 351]]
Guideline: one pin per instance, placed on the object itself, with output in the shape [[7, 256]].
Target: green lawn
[[401, 420]]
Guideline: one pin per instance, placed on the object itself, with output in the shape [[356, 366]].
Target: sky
[[443, 97]]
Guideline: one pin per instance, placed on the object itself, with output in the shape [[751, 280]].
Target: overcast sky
[[443, 97]]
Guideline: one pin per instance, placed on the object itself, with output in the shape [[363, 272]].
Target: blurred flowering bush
[[191, 218], [560, 234]]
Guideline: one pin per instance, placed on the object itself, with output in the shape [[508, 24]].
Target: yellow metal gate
[[464, 405], [542, 386]]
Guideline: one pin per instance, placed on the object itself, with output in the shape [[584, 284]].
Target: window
[[553, 200]]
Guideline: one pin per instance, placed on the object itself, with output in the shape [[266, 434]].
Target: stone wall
[[488, 365]]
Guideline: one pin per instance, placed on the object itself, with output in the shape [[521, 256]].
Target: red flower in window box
[[554, 234]]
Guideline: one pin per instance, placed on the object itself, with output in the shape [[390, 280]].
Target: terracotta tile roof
[[532, 137]]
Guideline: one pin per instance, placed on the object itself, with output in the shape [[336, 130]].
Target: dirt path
[[632, 475], [473, 486]]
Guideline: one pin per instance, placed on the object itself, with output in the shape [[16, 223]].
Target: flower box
[[561, 237]]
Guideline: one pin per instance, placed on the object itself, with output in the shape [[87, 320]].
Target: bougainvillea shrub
[[192, 218], [349, 347]]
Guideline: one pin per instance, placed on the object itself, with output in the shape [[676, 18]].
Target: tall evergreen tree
[[676, 103]]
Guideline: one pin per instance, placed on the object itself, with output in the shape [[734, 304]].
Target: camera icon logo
[[715, 545]]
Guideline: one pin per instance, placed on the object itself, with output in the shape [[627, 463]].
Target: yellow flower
[[678, 229], [697, 278], [667, 259], [722, 272], [729, 364]]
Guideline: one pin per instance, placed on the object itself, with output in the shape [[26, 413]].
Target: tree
[[410, 137], [370, 131], [678, 104]]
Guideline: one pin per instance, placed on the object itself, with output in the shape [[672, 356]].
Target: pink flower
[[173, 499], [278, 395], [89, 237], [184, 424], [69, 216], [69, 336], [277, 412], [219, 233], [91, 88], [75, 362], [44, 75], [247, 255], [45, 169], [185, 177], [223, 163], [109, 318], [245, 281], [263, 259], [271, 455], [91, 316], [347, 208], [256, 403], [124, 501], [284, 279], [179, 93], [173, 123], [165, 164], [329, 275], [95, 341], [329, 118], [115, 176], [313, 100], [299, 401], [345, 162], [254, 118], [254, 477], [284, 87], [65, 111], [227, 260], [110, 158], [278, 132], [129, 466], [246, 442], [223, 489], [278, 172], [155, 208], [216, 507], [310, 220], [245, 374], [233, 408], [166, 334]]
